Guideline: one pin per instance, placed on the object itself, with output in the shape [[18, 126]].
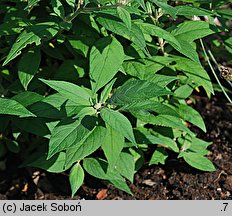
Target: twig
[[79, 10], [215, 62], [214, 73]]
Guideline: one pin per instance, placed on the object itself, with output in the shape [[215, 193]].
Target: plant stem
[[215, 62], [214, 73], [79, 10]]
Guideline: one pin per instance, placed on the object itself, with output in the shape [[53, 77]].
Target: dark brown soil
[[175, 180]]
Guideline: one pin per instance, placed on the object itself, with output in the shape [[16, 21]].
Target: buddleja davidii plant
[[87, 119]]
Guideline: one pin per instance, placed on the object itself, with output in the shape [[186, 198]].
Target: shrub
[[90, 86]]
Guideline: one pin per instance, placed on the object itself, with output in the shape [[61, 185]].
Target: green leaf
[[27, 98], [158, 139], [228, 44], [120, 183], [118, 122], [225, 13], [12, 27], [142, 4], [163, 120], [138, 156], [12, 107], [191, 115], [54, 164], [134, 91], [192, 30], [76, 178], [31, 4], [167, 8], [106, 91], [96, 168], [32, 125], [72, 3], [162, 80], [75, 93], [32, 34], [187, 50], [135, 68], [159, 156], [126, 165], [69, 133], [195, 72], [151, 106], [124, 15], [68, 71], [112, 146], [58, 8], [55, 106], [81, 44], [154, 64], [198, 161], [106, 57], [90, 145], [99, 169], [45, 110], [192, 11], [114, 24], [28, 66], [184, 91], [154, 30], [199, 146]]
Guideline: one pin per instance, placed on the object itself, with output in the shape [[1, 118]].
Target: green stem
[[79, 10], [213, 71]]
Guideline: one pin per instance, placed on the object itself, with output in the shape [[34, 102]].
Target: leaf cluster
[[91, 86]]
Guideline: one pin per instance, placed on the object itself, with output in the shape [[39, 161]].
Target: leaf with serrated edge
[[151, 106], [163, 120], [119, 122], [90, 145], [106, 57], [191, 115], [167, 8], [162, 140], [195, 72], [158, 32], [69, 133], [188, 50], [75, 93], [134, 91], [113, 24], [192, 30], [124, 16]]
